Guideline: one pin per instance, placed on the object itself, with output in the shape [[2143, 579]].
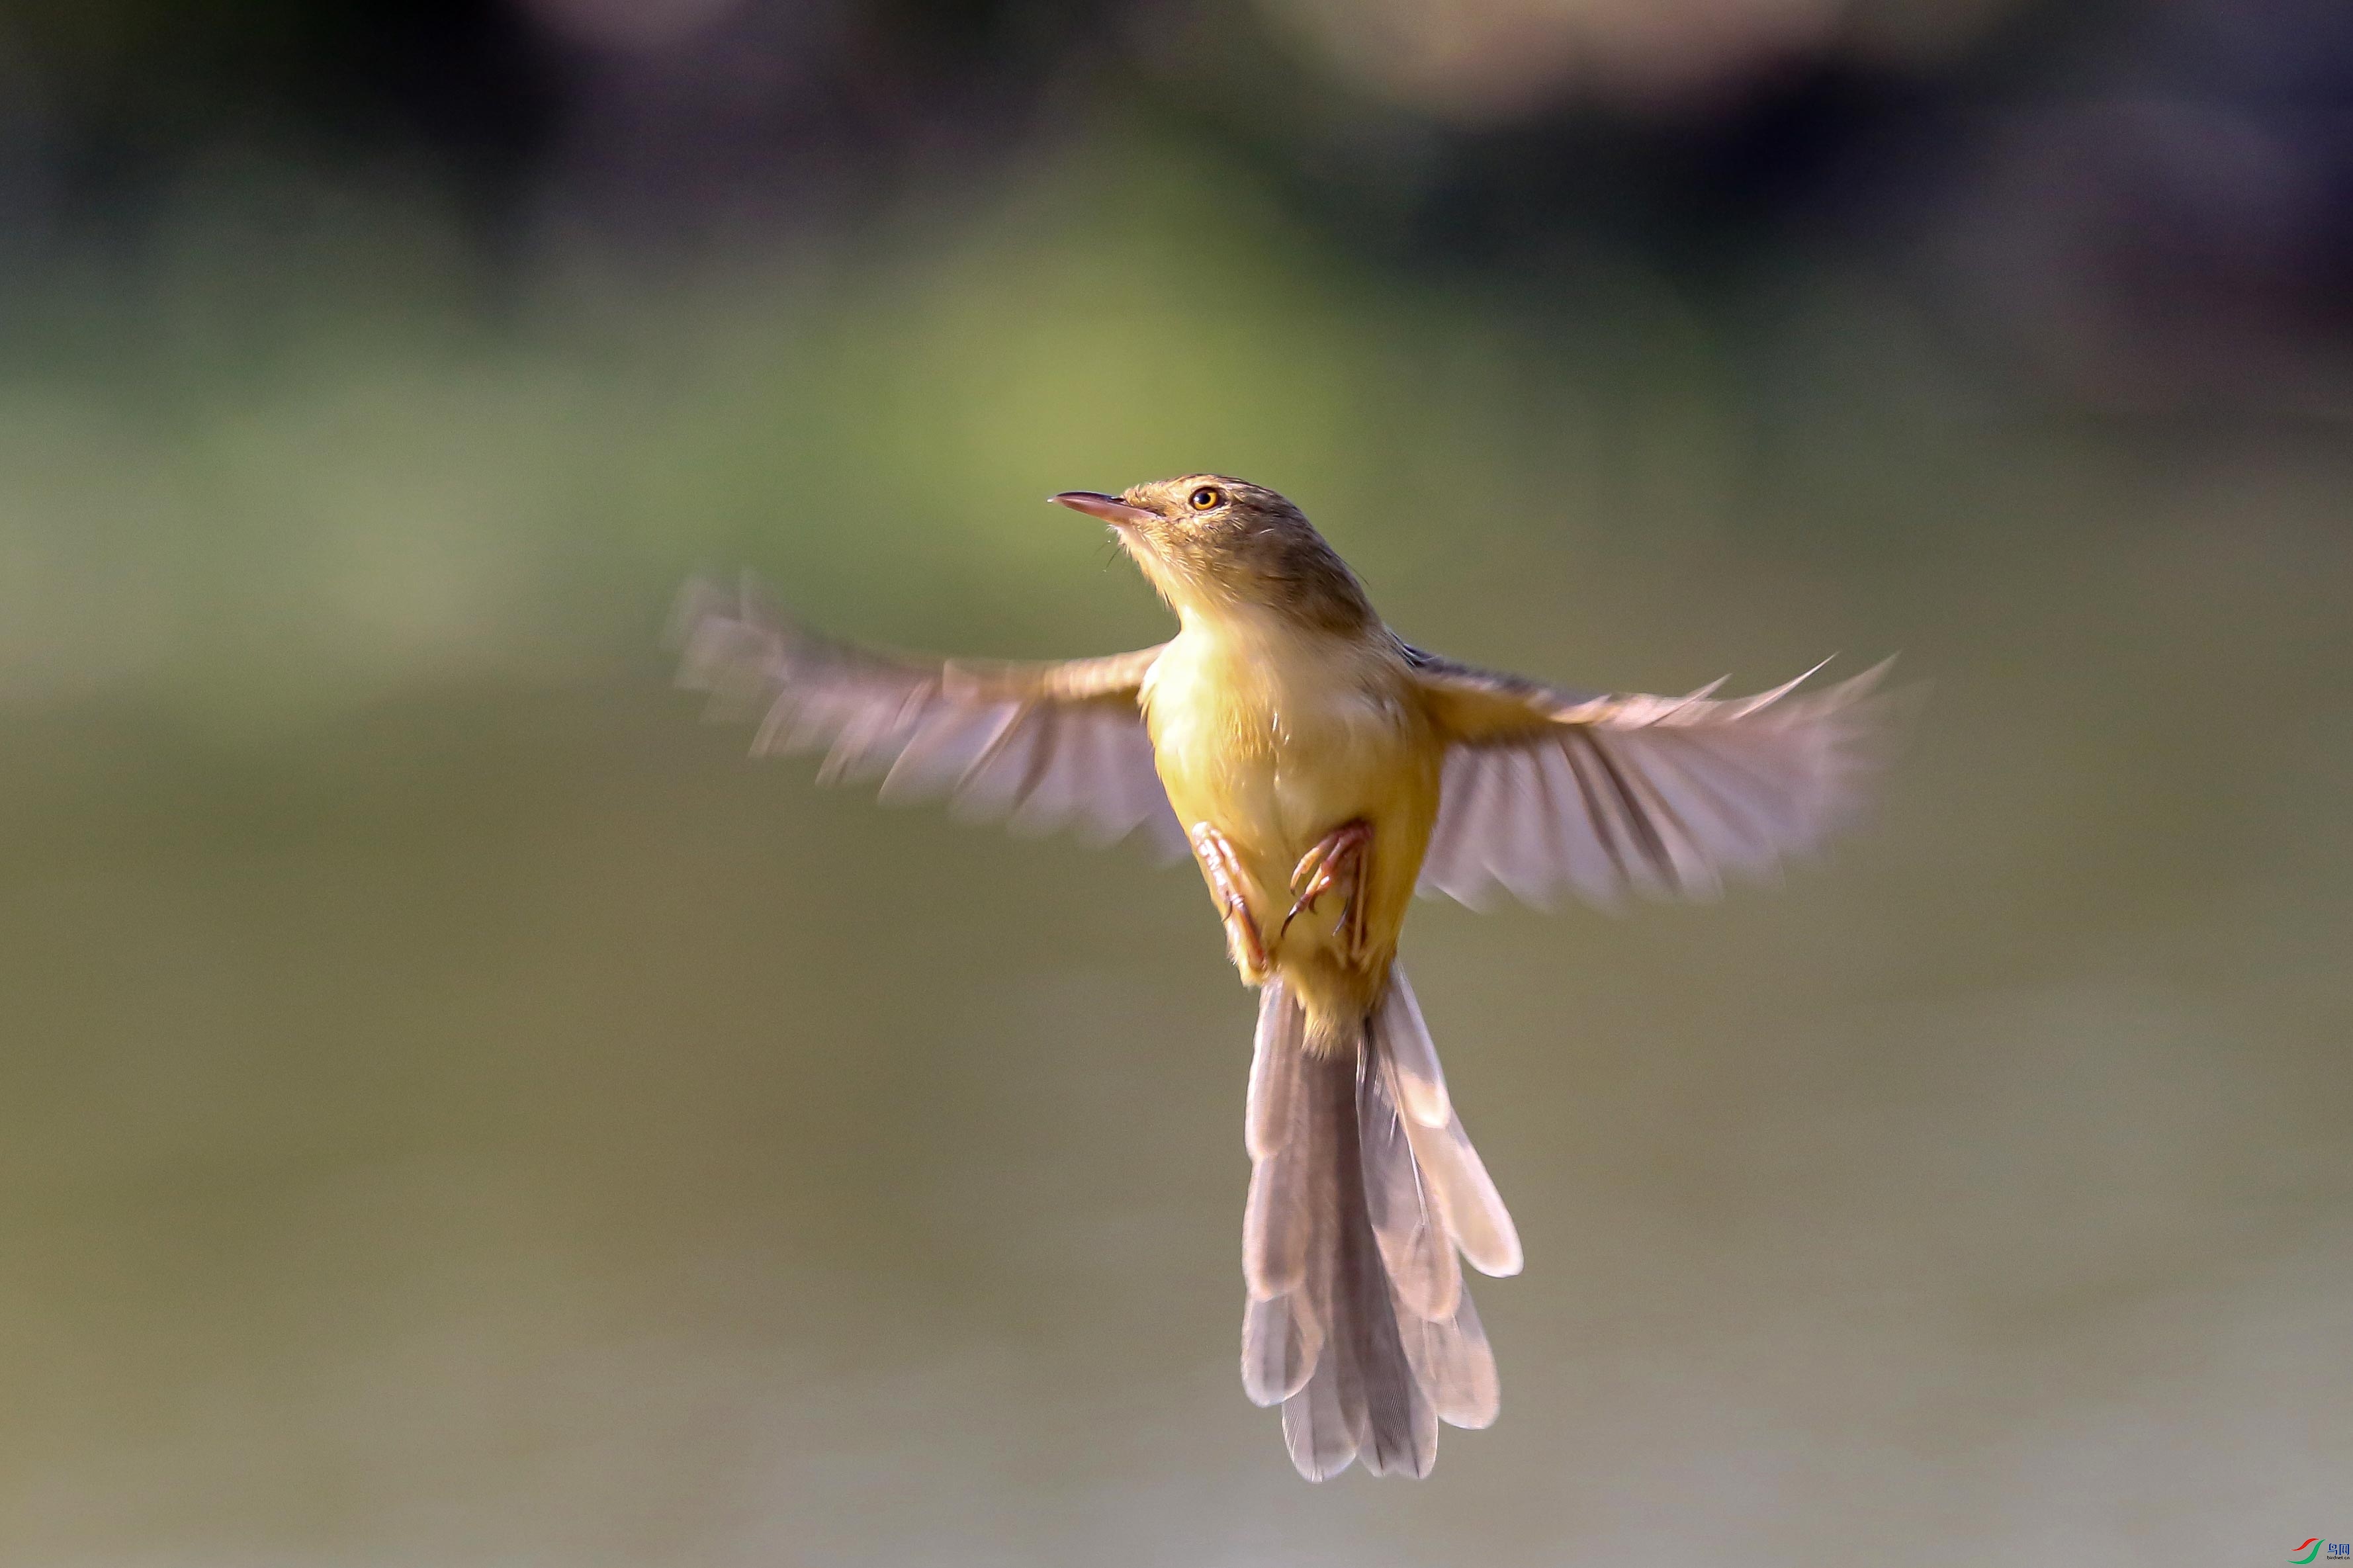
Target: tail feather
[[1281, 1340], [1474, 1211], [1277, 1222], [1449, 1168], [1405, 1040], [1407, 1219], [1358, 1322], [1400, 1431], [1271, 1116], [1318, 1427], [1452, 1361], [1323, 1425]]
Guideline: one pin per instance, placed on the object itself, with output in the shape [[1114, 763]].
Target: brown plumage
[[1319, 769]]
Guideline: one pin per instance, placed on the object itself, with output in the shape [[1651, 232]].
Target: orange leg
[[1337, 861], [1225, 875]]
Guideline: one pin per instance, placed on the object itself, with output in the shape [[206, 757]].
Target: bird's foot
[[1225, 875], [1336, 862]]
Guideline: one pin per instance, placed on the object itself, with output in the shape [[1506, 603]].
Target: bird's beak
[[1111, 508]]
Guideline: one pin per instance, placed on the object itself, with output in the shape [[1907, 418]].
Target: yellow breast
[[1275, 738]]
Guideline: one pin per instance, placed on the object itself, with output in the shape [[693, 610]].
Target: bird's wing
[[1546, 789], [1041, 745]]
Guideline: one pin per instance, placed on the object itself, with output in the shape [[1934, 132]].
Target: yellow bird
[[1319, 768]]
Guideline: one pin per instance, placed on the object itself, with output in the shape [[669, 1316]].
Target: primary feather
[[1043, 745], [1546, 791]]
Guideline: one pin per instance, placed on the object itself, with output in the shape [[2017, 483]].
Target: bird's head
[[1217, 547]]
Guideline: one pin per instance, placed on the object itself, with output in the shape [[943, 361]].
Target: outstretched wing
[[1040, 745], [1545, 790]]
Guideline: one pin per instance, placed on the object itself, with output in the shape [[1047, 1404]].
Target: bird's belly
[[1275, 802], [1274, 780], [1273, 766]]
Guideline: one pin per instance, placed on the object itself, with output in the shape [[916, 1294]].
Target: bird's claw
[[1225, 875], [1336, 860]]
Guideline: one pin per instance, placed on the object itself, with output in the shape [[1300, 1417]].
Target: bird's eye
[[1206, 497]]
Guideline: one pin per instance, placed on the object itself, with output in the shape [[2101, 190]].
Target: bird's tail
[[1363, 1188]]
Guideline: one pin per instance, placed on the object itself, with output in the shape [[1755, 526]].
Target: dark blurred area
[[455, 1111], [2131, 206]]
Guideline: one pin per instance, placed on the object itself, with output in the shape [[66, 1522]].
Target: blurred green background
[[456, 1111]]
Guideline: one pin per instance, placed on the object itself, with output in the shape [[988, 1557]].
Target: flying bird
[[1319, 769]]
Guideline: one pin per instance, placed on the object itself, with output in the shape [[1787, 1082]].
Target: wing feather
[[1544, 789], [1042, 746], [1465, 781]]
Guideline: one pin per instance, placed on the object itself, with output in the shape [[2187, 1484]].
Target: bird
[[1319, 769]]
